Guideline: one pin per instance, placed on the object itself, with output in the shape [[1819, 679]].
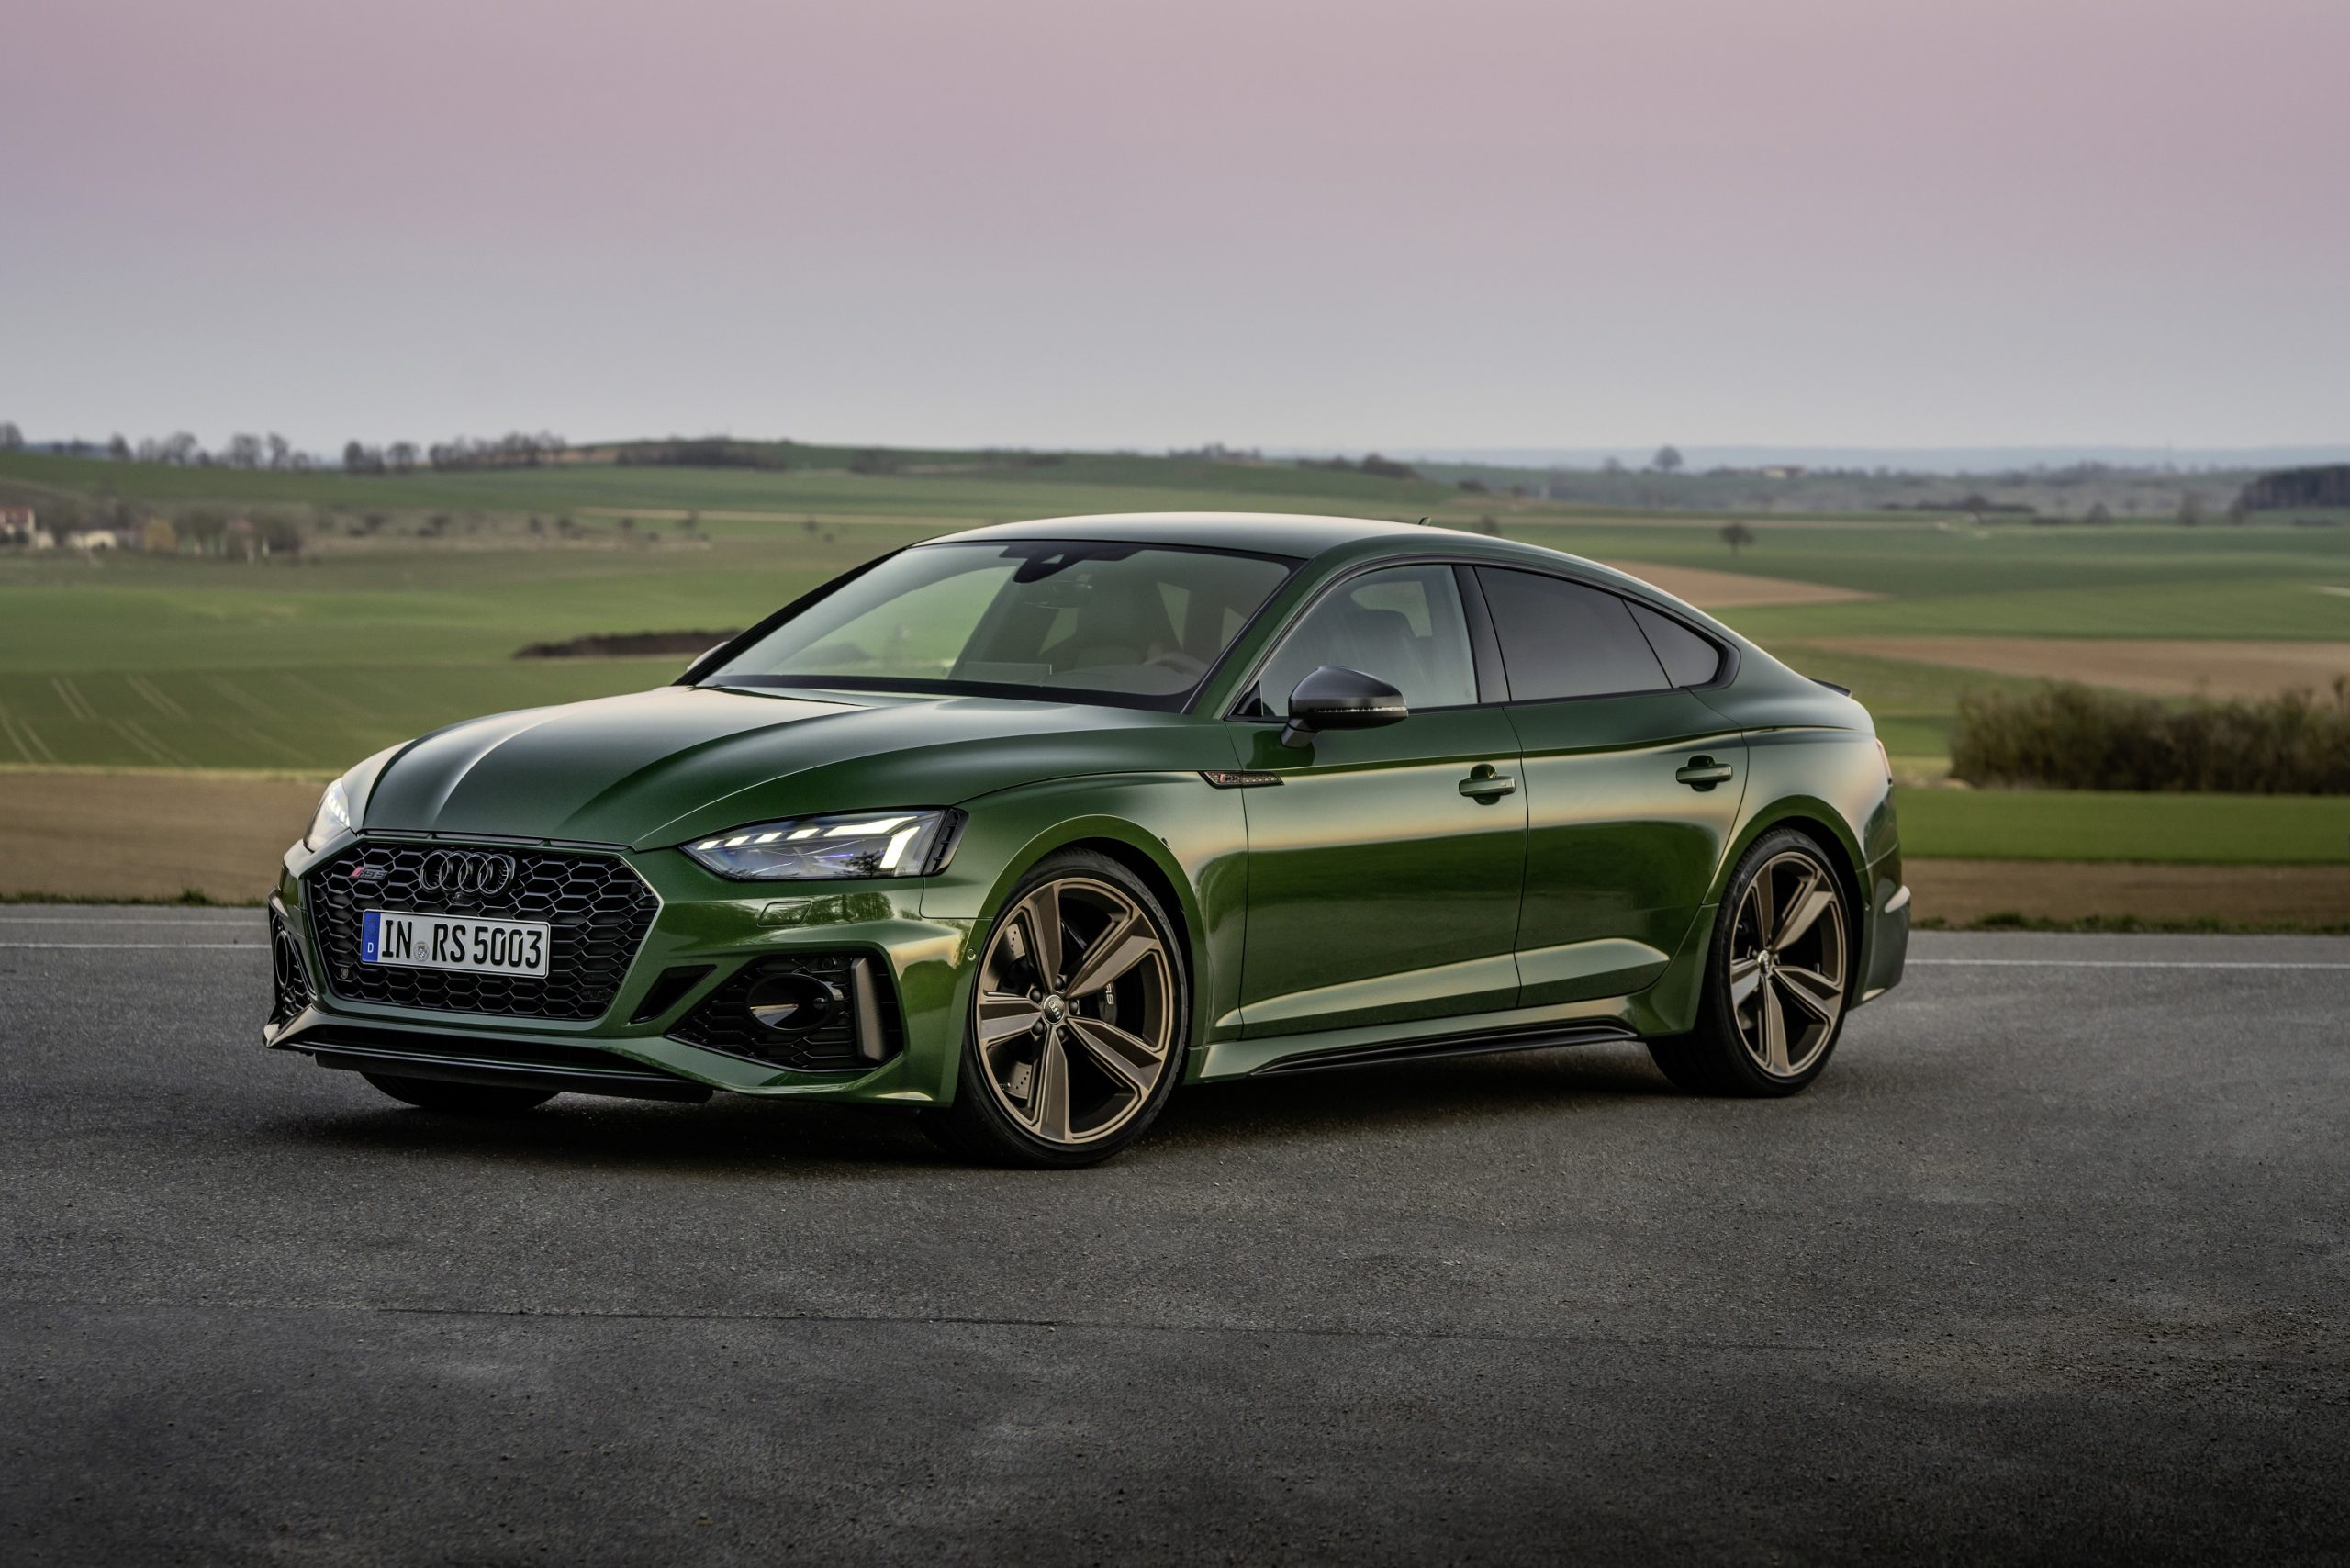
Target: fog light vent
[[290, 978], [808, 1013]]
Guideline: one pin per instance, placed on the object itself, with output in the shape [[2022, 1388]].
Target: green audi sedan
[[1021, 828]]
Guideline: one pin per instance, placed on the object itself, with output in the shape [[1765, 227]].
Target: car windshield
[[1135, 625]]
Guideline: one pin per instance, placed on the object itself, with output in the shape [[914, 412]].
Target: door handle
[[1487, 784], [1703, 773]]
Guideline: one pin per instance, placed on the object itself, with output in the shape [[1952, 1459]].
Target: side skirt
[[1535, 1039]]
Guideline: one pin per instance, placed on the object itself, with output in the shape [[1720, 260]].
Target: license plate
[[446, 942]]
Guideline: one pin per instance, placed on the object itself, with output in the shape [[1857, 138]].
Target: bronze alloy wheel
[[1789, 964], [1075, 1012]]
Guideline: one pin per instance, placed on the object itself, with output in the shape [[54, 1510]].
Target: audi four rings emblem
[[462, 871]]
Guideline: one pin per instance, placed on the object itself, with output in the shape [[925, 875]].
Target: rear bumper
[[706, 934], [1886, 945]]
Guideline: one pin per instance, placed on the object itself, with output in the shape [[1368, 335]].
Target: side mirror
[[1336, 699]]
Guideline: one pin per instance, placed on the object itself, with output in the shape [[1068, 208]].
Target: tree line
[[516, 448]]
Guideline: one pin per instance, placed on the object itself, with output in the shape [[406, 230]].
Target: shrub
[[2077, 737]]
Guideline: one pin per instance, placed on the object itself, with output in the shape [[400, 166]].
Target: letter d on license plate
[[446, 942]]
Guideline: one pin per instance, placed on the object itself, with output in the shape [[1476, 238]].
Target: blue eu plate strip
[[370, 923]]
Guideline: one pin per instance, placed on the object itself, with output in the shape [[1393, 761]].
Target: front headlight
[[332, 819], [832, 848]]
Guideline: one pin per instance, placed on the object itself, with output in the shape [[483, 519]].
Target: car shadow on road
[[1404, 1095], [725, 1136], [748, 1138]]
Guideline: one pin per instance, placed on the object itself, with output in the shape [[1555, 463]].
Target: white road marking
[[2129, 964], [128, 947], [137, 920]]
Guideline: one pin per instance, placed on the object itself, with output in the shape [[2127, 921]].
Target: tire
[[459, 1099], [1779, 973], [1076, 1038]]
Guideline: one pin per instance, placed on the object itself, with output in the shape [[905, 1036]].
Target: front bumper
[[704, 921]]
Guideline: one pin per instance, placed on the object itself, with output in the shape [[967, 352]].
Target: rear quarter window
[[1688, 658]]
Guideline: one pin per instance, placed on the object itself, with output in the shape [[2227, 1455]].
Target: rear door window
[[1562, 639]]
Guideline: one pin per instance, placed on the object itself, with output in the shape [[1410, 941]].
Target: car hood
[[655, 768]]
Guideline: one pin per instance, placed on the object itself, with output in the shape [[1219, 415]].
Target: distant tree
[[281, 451], [158, 537], [242, 452], [11, 438], [2099, 515], [1474, 487], [401, 456], [2190, 509], [1613, 465], [119, 449], [1667, 460], [1379, 467], [2239, 511], [1737, 535], [279, 536], [203, 527], [353, 455], [181, 448]]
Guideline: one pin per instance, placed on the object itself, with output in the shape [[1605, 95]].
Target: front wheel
[[1079, 1020], [1778, 977], [459, 1099]]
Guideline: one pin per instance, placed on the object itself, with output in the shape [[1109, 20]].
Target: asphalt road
[[2054, 1263]]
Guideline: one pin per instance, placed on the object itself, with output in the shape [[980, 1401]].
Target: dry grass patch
[[1729, 590], [2155, 668]]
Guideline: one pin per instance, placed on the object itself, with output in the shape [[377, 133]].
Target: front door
[[1632, 782], [1384, 868]]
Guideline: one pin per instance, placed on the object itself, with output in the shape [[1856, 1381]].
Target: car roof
[[1271, 533], [1306, 536]]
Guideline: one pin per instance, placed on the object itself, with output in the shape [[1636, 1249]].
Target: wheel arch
[[1826, 826]]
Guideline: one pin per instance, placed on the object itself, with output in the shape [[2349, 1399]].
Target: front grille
[[854, 1029], [290, 980], [597, 909]]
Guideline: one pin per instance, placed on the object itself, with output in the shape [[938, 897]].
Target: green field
[[2090, 825], [375, 633]]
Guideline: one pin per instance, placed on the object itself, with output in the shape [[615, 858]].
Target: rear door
[[1632, 782]]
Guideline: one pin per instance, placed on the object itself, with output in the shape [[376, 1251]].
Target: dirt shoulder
[[1965, 892], [147, 836]]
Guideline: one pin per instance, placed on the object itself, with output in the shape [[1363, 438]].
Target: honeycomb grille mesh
[[597, 909]]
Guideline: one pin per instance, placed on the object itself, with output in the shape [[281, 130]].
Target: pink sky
[[1288, 223]]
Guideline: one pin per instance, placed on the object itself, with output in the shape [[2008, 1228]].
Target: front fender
[[1192, 838]]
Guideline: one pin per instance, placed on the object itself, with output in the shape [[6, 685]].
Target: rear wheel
[[459, 1099], [1078, 1020], [1778, 977]]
